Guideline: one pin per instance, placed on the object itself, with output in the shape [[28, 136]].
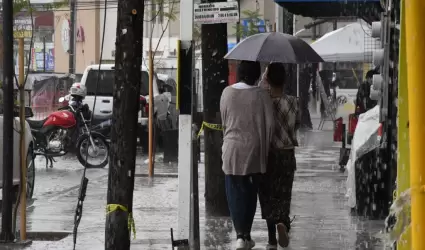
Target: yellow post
[[150, 121], [415, 37], [403, 164], [23, 202]]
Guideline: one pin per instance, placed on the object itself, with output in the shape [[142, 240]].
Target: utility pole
[[8, 103], [215, 73], [415, 35], [44, 54], [128, 63], [23, 153], [238, 24], [72, 26], [188, 223], [151, 103]]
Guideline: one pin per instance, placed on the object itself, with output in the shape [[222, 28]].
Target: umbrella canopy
[[274, 47]]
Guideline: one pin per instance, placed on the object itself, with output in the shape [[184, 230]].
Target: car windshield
[[107, 80]]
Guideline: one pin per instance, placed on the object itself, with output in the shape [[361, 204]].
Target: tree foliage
[[252, 17], [26, 6], [167, 11]]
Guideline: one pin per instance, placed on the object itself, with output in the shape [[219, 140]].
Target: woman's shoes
[[271, 247], [250, 244], [242, 244], [283, 240]]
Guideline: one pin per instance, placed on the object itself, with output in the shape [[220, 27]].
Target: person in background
[[247, 118], [275, 189], [363, 100]]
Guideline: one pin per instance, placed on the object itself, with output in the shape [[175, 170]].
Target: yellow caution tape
[[212, 126], [114, 207]]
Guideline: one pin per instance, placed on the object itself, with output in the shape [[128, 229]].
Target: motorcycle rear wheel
[[82, 158]]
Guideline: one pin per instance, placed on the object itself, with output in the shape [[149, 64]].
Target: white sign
[[22, 28], [65, 35], [219, 12]]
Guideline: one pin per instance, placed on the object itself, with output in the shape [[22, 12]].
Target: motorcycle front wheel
[[86, 153]]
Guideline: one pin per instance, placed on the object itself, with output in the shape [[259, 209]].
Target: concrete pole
[[151, 103], [294, 20], [415, 36], [188, 213], [72, 35], [23, 156], [403, 162], [279, 18]]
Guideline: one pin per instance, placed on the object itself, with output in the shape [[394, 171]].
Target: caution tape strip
[[114, 207], [212, 126]]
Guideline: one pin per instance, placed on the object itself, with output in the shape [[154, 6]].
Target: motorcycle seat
[[36, 124]]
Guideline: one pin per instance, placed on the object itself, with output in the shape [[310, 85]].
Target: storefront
[[87, 48]]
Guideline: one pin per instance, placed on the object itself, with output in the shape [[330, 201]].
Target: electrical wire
[[84, 180]]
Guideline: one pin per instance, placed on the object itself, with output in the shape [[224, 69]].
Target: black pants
[[275, 190], [241, 192]]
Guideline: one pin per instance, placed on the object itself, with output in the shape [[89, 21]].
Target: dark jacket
[[363, 101]]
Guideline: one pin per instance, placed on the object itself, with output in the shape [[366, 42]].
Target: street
[[322, 219]]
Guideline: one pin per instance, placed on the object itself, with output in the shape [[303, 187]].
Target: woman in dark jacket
[[363, 101]]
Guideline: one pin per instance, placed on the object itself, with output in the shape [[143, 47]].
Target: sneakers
[[242, 244], [271, 247], [283, 240], [250, 244]]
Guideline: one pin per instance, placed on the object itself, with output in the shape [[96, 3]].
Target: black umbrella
[[274, 47]]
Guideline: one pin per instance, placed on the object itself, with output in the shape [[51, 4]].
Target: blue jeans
[[241, 192]]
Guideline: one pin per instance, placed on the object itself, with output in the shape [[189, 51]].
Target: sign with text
[[219, 12], [22, 28]]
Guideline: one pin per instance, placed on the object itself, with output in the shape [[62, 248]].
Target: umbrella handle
[[263, 79]]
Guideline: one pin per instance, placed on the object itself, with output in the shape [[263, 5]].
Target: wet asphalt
[[322, 219]]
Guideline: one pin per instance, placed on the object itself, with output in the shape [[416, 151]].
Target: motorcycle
[[102, 125], [67, 130]]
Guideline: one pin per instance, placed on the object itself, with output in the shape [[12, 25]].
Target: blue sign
[[259, 26], [230, 46], [326, 1]]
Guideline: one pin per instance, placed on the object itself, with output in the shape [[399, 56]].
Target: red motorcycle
[[65, 131]]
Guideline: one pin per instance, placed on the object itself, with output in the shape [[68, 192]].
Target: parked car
[[104, 99], [16, 156]]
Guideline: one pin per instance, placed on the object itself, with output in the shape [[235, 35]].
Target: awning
[[352, 43], [367, 9]]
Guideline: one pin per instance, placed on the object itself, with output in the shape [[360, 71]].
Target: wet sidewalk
[[322, 219]]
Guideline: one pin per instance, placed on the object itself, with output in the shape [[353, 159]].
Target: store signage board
[[22, 28], [218, 12]]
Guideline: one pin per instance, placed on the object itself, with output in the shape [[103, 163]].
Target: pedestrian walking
[[363, 100], [247, 117], [275, 187]]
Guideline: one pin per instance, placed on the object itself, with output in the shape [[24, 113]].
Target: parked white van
[[104, 100]]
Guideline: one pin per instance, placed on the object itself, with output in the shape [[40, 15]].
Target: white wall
[[110, 31]]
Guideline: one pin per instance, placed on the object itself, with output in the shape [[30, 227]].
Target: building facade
[[87, 49]]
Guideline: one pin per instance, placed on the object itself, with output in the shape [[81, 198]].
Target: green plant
[[166, 11], [252, 17]]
